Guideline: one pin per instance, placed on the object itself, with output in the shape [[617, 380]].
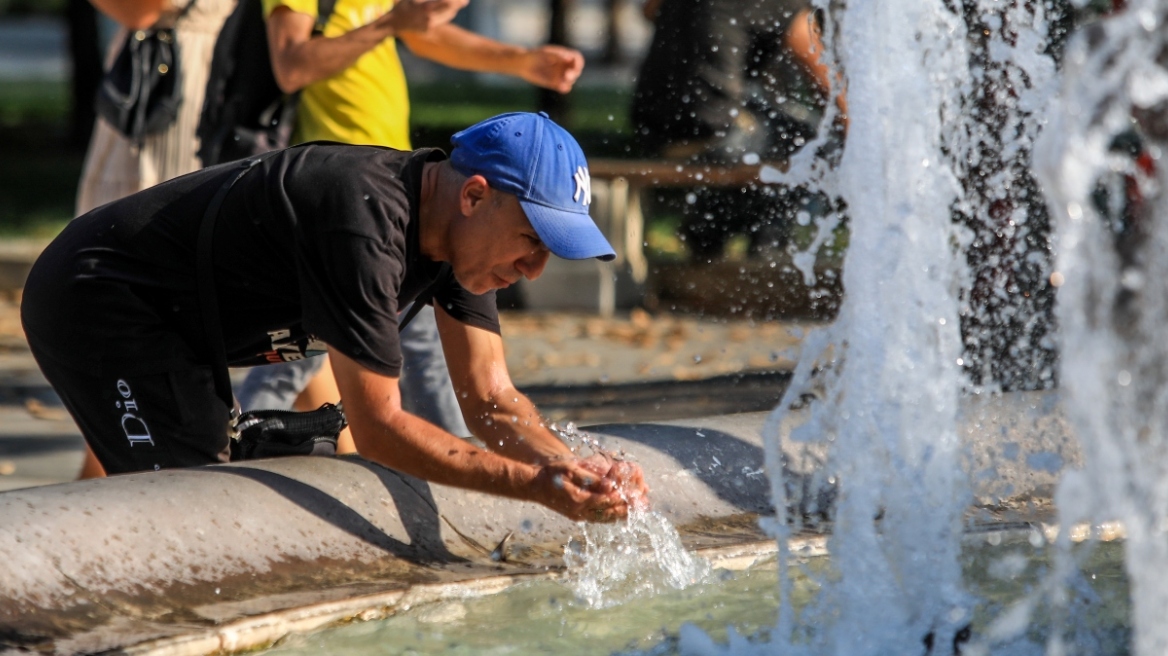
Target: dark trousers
[[710, 61], [143, 422]]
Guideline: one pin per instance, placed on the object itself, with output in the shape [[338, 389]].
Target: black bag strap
[[424, 298], [324, 9], [205, 282]]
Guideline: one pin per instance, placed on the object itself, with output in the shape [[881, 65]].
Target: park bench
[[616, 207]]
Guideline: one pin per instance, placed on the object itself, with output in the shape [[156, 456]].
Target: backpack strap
[[205, 283], [324, 9]]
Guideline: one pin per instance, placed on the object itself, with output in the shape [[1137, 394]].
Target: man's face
[[495, 245]]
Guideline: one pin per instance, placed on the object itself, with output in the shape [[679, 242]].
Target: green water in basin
[[546, 618]]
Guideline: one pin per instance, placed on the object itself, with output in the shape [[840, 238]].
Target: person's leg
[[300, 385], [322, 389], [277, 386], [425, 381], [306, 384], [90, 467], [143, 422], [689, 97]]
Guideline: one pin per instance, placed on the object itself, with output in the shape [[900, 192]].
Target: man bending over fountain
[[313, 249]]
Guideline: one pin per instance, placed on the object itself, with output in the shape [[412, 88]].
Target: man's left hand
[[621, 476], [553, 67]]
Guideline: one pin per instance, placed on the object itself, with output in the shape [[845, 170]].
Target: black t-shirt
[[316, 245]]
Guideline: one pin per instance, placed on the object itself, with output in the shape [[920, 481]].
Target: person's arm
[[387, 434], [805, 44], [495, 411], [549, 66], [134, 14], [651, 9], [299, 59], [506, 420]]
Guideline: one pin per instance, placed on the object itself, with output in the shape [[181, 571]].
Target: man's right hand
[[587, 490], [421, 15]]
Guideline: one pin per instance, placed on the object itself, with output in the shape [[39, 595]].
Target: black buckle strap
[[205, 282]]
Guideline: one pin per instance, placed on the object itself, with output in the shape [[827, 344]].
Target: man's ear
[[475, 191]]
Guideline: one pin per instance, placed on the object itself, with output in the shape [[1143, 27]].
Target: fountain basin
[[231, 557]]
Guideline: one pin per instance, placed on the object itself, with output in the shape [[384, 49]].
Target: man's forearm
[[299, 64], [416, 447], [455, 47], [510, 424]]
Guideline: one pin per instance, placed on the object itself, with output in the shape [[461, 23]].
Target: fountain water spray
[[891, 375], [942, 123], [1113, 307]]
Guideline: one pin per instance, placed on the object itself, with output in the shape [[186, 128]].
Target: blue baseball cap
[[528, 155]]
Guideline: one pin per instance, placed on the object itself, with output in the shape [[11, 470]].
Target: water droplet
[[1147, 19]]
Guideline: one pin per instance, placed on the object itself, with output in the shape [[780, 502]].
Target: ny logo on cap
[[583, 185]]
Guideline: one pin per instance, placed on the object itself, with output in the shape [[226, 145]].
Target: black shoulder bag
[[141, 93], [244, 111], [268, 433]]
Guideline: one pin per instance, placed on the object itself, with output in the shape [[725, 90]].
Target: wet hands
[[596, 489], [623, 476], [553, 67], [421, 15]]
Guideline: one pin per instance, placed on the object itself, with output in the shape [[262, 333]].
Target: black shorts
[[142, 422]]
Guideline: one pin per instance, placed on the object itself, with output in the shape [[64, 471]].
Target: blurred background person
[[725, 80], [114, 165]]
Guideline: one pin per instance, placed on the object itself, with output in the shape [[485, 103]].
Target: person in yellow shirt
[[353, 90]]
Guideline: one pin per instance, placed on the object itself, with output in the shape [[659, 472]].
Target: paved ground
[[581, 368]]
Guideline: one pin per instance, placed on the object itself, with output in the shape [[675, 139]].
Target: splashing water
[[1113, 304], [941, 122], [887, 372], [617, 563]]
